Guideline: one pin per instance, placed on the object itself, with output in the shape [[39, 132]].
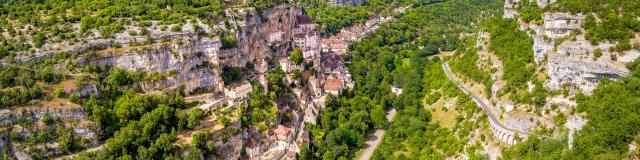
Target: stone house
[[290, 155], [238, 92], [304, 24], [287, 65], [334, 83], [311, 114], [315, 86], [253, 149], [299, 40], [338, 48], [333, 86]]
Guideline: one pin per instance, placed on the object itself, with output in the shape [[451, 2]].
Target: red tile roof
[[339, 46], [332, 85], [282, 132]]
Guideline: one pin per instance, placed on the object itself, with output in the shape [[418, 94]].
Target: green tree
[[296, 56], [379, 117], [199, 140], [46, 119], [75, 98], [194, 117]]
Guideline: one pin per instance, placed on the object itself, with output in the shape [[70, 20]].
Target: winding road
[[479, 101]]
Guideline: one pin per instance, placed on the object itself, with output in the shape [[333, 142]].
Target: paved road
[[374, 139], [478, 100]]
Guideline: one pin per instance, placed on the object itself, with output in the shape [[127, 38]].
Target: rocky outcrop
[[543, 3], [569, 56], [585, 75], [555, 25], [510, 7]]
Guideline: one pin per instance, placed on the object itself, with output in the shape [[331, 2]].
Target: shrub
[[46, 119], [59, 92], [229, 42], [75, 98], [176, 28], [38, 40], [597, 53]]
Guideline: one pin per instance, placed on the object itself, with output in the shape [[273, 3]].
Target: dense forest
[[19, 85], [141, 126]]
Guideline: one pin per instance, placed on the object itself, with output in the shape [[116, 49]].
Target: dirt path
[[373, 140]]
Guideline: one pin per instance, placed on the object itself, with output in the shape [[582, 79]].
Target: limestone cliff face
[[585, 75], [195, 61], [190, 63], [261, 36], [568, 57], [10, 117]]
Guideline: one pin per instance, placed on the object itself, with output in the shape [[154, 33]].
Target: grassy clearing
[[445, 117]]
